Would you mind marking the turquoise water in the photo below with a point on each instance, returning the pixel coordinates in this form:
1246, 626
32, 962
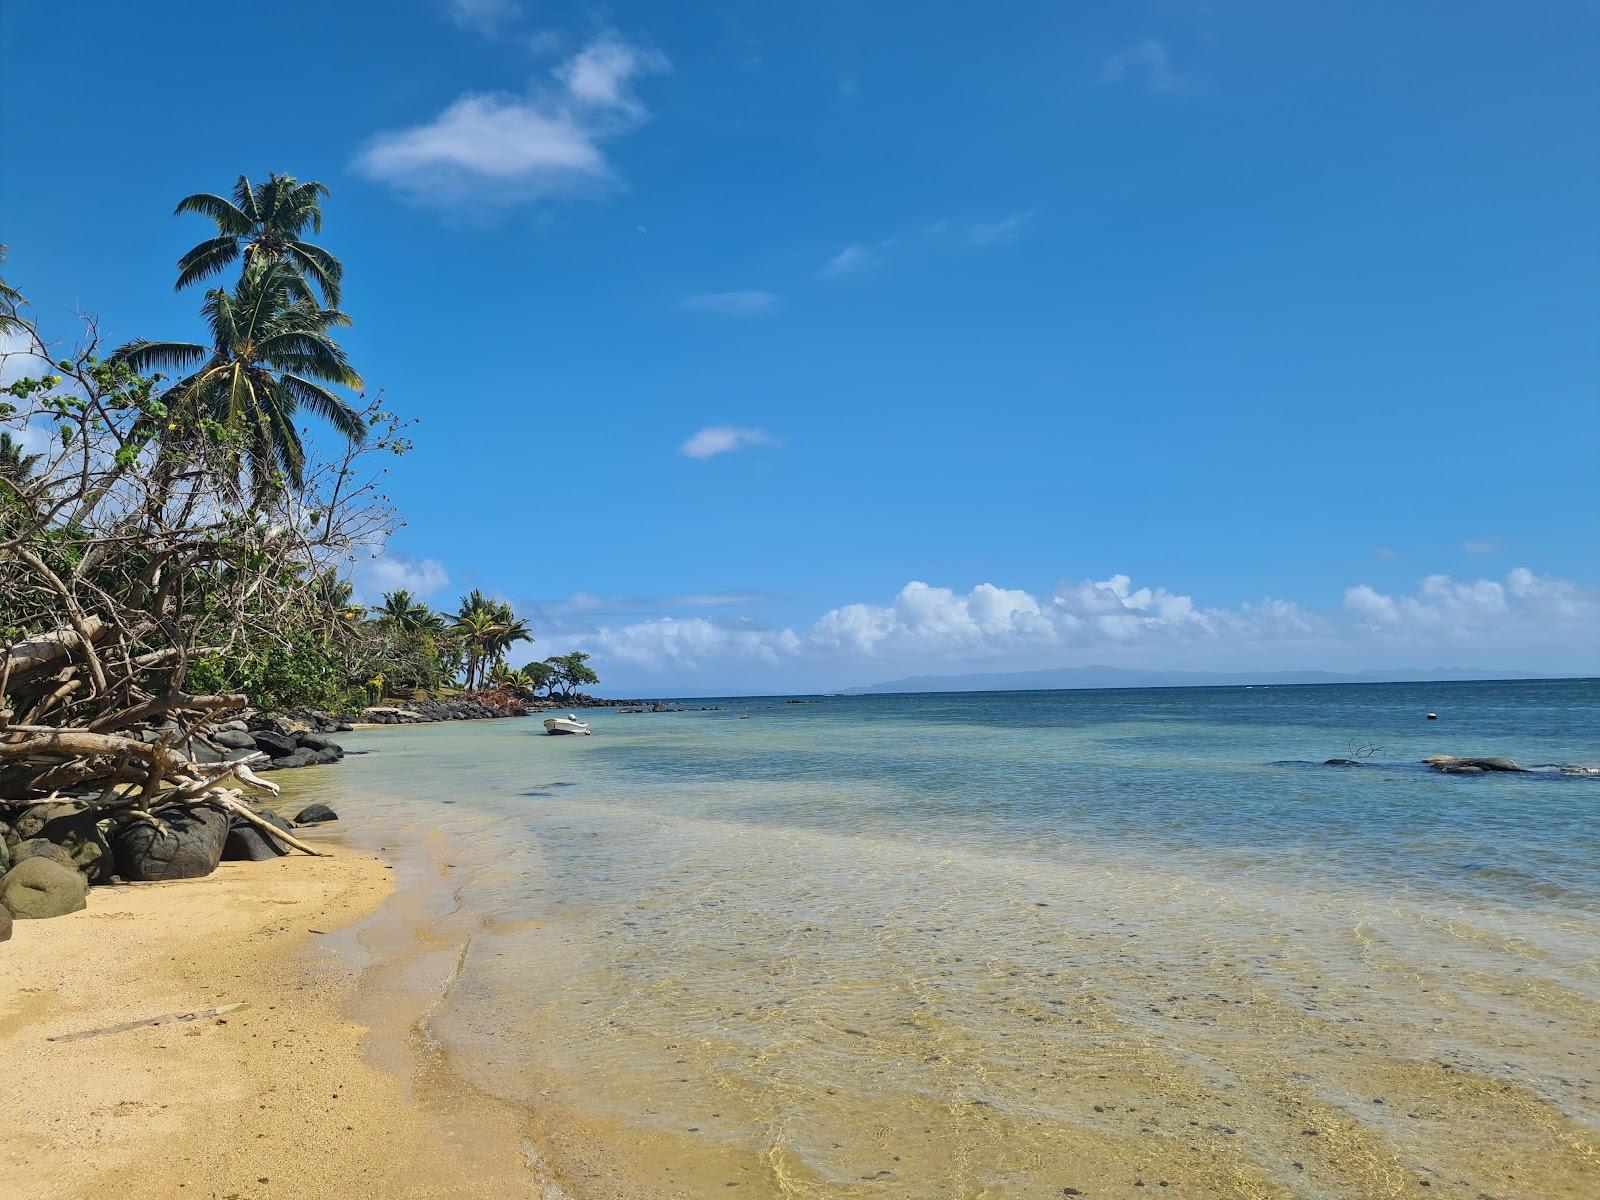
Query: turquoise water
1002, 944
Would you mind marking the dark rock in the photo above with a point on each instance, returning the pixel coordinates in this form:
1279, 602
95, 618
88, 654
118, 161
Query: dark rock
300, 758
1451, 765
36, 888
331, 755
1341, 762
5, 923
315, 814
230, 727
316, 742
75, 828
234, 739
275, 744
188, 844
343, 727
246, 843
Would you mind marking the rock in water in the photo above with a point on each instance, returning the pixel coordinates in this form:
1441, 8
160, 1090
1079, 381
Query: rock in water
37, 887
277, 745
246, 843
189, 846
315, 814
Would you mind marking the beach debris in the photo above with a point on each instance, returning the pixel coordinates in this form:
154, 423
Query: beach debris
203, 1014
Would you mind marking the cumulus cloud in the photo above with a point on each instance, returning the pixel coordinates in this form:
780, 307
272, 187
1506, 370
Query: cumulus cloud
732, 304
691, 644
721, 439
1147, 62
492, 148
1522, 610
386, 572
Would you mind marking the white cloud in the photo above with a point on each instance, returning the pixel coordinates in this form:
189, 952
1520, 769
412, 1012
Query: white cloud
385, 572
484, 16
998, 233
733, 304
672, 643
721, 439
1147, 62
487, 149
1524, 609
846, 261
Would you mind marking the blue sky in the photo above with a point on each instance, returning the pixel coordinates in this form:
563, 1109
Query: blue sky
799, 346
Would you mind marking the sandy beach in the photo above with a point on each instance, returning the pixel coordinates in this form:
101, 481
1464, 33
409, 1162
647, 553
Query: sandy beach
273, 1099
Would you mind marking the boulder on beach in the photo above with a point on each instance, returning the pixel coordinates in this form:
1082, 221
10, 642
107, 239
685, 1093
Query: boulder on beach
75, 828
41, 848
315, 814
5, 923
187, 844
37, 887
247, 843
235, 739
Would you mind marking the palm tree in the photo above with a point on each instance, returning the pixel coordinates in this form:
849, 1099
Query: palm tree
488, 629
262, 222
10, 301
270, 354
403, 611
15, 465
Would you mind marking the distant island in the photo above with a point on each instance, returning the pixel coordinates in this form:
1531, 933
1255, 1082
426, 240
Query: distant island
1066, 678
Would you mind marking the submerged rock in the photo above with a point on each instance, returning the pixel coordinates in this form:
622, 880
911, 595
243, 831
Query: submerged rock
37, 888
315, 814
187, 844
1451, 765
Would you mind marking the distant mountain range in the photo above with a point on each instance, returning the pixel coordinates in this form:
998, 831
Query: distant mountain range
1119, 677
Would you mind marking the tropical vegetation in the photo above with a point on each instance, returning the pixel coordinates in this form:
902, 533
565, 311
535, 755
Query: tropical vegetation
177, 520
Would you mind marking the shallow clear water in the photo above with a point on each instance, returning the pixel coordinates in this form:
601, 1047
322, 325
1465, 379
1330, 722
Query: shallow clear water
1009, 944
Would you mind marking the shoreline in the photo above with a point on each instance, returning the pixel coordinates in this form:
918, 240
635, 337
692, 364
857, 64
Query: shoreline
319, 1085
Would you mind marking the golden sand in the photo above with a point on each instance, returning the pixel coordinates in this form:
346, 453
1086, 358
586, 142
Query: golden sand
271, 1100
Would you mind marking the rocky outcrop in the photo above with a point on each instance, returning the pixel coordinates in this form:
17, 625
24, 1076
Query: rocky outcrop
186, 844
37, 887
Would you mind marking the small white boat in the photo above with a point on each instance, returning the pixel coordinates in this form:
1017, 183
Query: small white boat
566, 724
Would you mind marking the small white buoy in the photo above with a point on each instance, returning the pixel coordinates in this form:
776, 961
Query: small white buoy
1433, 716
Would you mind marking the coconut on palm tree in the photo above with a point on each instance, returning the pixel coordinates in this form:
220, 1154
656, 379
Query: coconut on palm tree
262, 222
270, 358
